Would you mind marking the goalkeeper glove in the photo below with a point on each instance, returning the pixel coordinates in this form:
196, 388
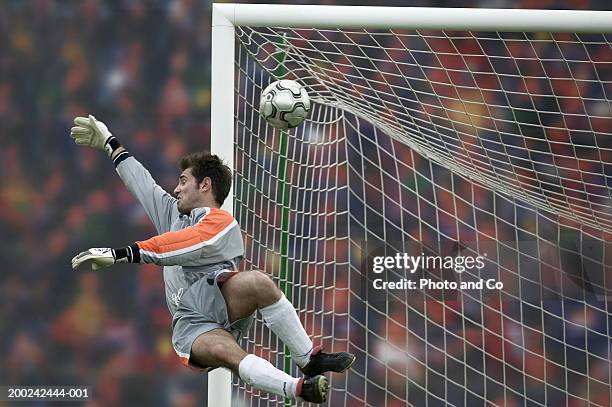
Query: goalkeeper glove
91, 132
100, 258
106, 257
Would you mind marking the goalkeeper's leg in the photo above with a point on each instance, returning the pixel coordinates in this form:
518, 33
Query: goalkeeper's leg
218, 348
248, 291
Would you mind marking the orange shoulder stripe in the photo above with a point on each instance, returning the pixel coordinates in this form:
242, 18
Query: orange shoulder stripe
181, 240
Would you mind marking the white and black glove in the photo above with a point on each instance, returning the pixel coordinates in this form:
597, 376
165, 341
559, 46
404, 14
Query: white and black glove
102, 257
93, 133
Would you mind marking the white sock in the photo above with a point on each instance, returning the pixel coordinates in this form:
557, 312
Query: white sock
282, 319
261, 374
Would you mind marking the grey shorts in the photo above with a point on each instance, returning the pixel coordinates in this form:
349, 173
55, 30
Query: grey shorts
202, 308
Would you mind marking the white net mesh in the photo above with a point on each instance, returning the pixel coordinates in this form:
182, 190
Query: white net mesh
479, 142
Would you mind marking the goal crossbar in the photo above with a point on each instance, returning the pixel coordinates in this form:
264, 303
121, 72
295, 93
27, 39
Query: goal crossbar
461, 19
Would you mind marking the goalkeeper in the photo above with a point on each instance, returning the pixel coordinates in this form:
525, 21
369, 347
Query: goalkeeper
200, 247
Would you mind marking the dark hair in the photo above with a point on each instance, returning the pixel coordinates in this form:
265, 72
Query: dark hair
203, 164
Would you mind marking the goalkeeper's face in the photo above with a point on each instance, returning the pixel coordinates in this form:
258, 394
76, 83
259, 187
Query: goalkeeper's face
190, 194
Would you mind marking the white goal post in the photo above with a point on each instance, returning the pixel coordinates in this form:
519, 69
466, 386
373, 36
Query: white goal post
589, 208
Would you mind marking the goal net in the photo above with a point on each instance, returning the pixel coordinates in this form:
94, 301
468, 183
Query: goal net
435, 142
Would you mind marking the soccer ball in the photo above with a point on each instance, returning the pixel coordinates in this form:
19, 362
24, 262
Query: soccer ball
284, 104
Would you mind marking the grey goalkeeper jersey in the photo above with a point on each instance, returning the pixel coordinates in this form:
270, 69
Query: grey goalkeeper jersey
189, 247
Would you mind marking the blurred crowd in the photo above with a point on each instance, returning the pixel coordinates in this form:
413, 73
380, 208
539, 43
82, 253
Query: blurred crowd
143, 68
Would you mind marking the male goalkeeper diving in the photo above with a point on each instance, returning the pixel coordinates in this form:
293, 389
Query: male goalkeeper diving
200, 246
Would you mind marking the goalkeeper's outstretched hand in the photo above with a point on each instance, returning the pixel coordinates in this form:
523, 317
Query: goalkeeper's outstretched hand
91, 132
99, 257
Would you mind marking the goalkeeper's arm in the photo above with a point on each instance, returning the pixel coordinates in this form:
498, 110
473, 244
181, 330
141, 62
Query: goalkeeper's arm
214, 238
159, 205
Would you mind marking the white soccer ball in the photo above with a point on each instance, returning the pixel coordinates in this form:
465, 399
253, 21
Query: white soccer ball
284, 104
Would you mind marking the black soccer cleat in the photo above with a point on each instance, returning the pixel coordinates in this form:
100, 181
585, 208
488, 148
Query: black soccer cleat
321, 362
312, 389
